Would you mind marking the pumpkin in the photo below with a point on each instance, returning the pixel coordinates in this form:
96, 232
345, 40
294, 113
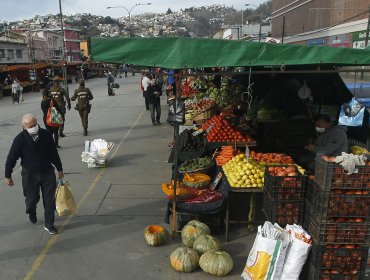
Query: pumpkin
196, 180
155, 235
218, 263
181, 190
184, 259
205, 243
191, 231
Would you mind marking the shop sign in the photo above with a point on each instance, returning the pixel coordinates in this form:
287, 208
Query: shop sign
315, 42
359, 39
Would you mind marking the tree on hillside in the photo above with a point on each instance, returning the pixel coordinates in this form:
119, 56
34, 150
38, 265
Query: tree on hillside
169, 11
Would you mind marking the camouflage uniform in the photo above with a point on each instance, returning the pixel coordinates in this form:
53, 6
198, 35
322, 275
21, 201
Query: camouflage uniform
83, 96
60, 96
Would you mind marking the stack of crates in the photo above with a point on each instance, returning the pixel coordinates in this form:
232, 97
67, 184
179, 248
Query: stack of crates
337, 209
283, 200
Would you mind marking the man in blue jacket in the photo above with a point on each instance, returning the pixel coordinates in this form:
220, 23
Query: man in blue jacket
36, 148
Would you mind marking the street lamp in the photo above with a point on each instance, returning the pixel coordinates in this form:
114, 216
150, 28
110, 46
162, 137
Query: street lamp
129, 12
259, 32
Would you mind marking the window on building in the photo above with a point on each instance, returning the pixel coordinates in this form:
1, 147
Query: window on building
2, 53
50, 41
55, 41
18, 53
10, 54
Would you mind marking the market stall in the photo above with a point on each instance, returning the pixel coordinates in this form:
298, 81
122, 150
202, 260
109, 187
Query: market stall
254, 112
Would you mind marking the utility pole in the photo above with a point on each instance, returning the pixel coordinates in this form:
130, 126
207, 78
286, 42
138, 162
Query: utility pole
283, 31
64, 67
367, 29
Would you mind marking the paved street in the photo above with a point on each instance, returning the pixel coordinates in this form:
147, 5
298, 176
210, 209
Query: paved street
104, 240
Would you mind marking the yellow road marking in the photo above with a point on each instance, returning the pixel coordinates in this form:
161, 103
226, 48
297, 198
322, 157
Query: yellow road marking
37, 263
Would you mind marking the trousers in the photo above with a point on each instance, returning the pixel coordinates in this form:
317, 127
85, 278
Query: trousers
33, 182
155, 111
84, 115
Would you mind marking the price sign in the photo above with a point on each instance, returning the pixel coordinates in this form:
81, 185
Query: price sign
197, 132
210, 127
247, 151
216, 181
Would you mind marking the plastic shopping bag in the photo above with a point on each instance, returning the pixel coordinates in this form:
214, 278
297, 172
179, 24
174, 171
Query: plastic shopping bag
266, 259
64, 201
352, 113
297, 253
53, 117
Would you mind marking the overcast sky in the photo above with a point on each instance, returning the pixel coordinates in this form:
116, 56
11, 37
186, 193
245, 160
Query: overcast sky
11, 10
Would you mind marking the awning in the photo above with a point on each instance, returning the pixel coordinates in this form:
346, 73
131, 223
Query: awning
182, 53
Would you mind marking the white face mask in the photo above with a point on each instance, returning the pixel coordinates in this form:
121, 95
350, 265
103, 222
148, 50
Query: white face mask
320, 129
33, 130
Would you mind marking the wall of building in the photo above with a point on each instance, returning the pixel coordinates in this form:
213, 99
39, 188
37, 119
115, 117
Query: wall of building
299, 18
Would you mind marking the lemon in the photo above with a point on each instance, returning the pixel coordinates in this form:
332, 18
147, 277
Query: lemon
248, 182
232, 185
256, 175
254, 185
260, 185
248, 172
262, 174
259, 181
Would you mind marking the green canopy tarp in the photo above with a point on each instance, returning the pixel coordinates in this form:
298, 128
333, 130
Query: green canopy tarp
181, 53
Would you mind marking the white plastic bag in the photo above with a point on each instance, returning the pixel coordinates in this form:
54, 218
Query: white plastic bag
297, 253
266, 258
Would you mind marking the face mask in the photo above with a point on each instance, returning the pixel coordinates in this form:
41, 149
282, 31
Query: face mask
320, 129
33, 130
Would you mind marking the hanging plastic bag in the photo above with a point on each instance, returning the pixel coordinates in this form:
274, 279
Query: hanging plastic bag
176, 115
64, 201
267, 256
53, 117
352, 113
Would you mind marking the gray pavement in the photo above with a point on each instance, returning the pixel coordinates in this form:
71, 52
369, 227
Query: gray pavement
104, 240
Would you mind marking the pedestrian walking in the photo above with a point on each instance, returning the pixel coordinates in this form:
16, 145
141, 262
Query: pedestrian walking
16, 91
46, 102
36, 149
61, 98
83, 96
110, 82
145, 82
154, 93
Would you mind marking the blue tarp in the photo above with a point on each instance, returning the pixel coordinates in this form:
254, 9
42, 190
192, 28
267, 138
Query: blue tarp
359, 90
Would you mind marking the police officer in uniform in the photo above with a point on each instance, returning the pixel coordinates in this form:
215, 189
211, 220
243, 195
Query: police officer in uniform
83, 96
60, 96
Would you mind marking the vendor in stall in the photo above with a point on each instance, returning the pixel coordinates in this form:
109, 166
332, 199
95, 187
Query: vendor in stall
331, 141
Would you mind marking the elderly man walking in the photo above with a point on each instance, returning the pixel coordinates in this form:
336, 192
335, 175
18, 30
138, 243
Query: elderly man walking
36, 148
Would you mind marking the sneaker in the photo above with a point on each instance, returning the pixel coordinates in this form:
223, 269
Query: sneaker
158, 122
61, 134
33, 217
85, 132
51, 229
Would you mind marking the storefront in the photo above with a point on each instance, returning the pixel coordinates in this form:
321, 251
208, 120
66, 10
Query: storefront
245, 121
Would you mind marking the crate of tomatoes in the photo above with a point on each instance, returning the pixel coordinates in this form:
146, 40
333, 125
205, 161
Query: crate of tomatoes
330, 175
347, 262
284, 182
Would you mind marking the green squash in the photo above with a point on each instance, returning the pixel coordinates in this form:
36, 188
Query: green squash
218, 263
205, 243
184, 259
192, 230
155, 235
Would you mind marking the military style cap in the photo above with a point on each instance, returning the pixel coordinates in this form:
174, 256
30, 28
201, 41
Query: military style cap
81, 81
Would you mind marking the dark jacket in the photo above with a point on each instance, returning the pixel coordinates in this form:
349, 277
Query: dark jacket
37, 156
332, 142
83, 96
151, 94
60, 96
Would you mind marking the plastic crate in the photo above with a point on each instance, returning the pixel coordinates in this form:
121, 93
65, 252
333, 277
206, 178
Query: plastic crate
285, 187
338, 203
342, 257
337, 231
326, 263
330, 175
283, 212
